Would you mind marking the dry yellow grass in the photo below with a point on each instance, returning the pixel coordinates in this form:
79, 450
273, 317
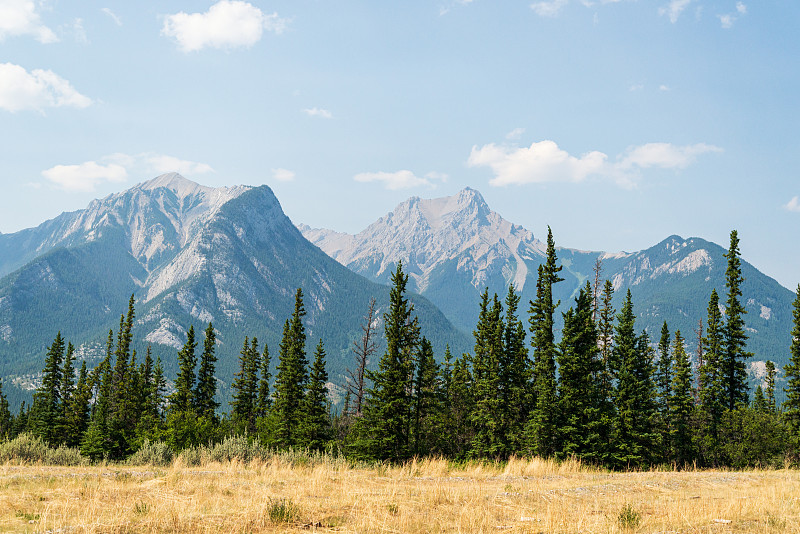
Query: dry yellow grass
422, 496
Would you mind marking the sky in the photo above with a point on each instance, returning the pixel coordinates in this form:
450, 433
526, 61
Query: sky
616, 122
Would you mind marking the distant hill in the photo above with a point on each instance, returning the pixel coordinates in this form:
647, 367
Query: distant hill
456, 246
190, 254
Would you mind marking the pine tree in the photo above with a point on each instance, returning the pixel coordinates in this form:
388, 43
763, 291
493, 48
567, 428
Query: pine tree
315, 430
47, 410
711, 394
426, 402
515, 375
96, 442
206, 390
663, 381
291, 380
485, 417
245, 387
542, 428
734, 336
264, 402
182, 399
458, 407
77, 413
681, 405
363, 350
605, 343
791, 406
383, 431
770, 384
579, 388
6, 419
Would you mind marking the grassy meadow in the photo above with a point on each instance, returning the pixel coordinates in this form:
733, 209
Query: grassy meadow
297, 494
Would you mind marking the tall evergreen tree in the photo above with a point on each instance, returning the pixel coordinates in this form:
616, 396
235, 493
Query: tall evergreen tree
183, 398
486, 414
383, 431
245, 386
427, 405
542, 428
515, 376
770, 386
711, 392
681, 404
47, 410
264, 401
6, 419
206, 390
579, 388
291, 380
791, 406
315, 431
663, 381
734, 336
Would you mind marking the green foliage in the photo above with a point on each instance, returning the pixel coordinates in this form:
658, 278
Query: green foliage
157, 454
283, 511
206, 391
629, 517
734, 336
791, 406
30, 449
315, 429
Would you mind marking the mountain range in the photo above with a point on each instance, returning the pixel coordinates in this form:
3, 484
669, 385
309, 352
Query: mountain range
190, 255
455, 247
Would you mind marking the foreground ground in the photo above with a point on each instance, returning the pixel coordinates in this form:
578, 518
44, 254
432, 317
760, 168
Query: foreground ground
427, 496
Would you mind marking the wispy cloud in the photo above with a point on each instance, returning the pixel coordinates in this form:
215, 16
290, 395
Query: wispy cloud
283, 175
727, 20
515, 134
548, 8
21, 17
226, 24
401, 179
446, 8
674, 9
793, 205
85, 176
117, 167
545, 162
112, 15
36, 90
318, 112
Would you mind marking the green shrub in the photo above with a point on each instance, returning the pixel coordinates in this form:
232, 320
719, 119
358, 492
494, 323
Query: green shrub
152, 453
629, 518
283, 511
27, 448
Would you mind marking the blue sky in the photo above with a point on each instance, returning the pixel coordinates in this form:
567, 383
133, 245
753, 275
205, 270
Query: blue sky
617, 123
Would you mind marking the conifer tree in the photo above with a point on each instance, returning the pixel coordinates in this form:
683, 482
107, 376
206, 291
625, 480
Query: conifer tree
182, 399
426, 402
711, 394
206, 390
315, 431
791, 406
485, 417
579, 393
6, 419
264, 401
681, 404
77, 410
734, 336
458, 407
770, 384
291, 380
663, 381
383, 430
47, 410
245, 386
515, 376
542, 428
363, 350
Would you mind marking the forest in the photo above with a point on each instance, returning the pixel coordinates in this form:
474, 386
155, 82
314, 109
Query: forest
603, 394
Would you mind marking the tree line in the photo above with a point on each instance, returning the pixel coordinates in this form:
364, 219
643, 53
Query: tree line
602, 393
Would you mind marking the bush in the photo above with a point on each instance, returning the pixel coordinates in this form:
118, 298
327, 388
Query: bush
27, 448
629, 518
152, 453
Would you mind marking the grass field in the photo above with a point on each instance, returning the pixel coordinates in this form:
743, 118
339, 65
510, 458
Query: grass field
424, 496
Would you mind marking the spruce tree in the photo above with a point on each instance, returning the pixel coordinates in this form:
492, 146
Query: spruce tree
515, 375
734, 336
315, 431
77, 413
486, 417
711, 394
264, 401
791, 406
579, 388
458, 407
182, 399
47, 411
542, 431
6, 419
206, 390
245, 387
291, 380
663, 381
383, 431
681, 405
426, 402
770, 385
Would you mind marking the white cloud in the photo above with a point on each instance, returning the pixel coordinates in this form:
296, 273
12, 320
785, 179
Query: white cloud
741, 8
548, 8
728, 19
793, 205
544, 162
445, 9
86, 176
282, 175
401, 179
636, 87
116, 168
663, 87
674, 9
19, 17
515, 134
161, 164
226, 24
79, 31
36, 90
113, 16
318, 112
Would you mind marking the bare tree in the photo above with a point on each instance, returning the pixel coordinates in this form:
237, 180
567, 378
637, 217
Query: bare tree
598, 268
363, 349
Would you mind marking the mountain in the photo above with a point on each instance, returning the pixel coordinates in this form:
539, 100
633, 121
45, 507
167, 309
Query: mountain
191, 255
456, 246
